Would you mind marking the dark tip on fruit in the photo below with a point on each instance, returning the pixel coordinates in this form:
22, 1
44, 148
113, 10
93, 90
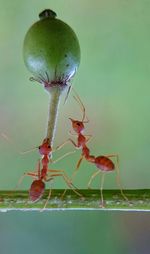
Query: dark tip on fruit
47, 14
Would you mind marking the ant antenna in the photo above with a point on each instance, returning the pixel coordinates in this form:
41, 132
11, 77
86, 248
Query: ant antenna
78, 99
11, 142
28, 151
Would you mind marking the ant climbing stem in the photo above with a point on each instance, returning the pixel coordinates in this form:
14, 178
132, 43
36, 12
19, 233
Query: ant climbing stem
82, 139
44, 174
103, 163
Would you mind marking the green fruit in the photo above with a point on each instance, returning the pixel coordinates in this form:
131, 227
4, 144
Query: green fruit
51, 50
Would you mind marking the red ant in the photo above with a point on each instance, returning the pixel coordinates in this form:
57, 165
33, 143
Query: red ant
103, 163
44, 174
38, 186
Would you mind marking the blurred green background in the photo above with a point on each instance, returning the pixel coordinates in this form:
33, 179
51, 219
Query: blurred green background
113, 82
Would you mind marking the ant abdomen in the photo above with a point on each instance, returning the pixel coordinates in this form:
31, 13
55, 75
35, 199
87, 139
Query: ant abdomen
36, 190
104, 163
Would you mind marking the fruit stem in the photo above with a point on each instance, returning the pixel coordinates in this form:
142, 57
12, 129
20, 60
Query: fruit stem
55, 93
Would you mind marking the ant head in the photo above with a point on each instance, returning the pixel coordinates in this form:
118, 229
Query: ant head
78, 126
36, 190
45, 148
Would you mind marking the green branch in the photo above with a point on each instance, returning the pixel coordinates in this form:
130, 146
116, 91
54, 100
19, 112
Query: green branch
18, 200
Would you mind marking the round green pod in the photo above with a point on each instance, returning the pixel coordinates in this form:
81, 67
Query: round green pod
51, 50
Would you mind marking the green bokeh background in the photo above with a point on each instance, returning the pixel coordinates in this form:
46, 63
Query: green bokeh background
113, 82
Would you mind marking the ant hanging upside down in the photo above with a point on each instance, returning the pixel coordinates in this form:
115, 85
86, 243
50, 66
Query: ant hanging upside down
102, 162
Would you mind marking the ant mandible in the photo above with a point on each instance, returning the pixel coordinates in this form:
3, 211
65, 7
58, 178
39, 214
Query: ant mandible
102, 162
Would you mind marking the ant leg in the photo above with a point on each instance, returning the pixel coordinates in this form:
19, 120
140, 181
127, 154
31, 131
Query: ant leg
36, 173
70, 185
67, 180
62, 196
49, 195
101, 190
73, 142
64, 143
60, 171
61, 145
48, 198
72, 134
89, 138
63, 156
118, 178
57, 171
113, 155
79, 162
101, 185
53, 170
33, 175
92, 177
77, 167
65, 177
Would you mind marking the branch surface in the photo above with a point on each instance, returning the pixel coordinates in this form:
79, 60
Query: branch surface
139, 200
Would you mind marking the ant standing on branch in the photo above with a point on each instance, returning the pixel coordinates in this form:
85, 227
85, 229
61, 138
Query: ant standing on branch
102, 162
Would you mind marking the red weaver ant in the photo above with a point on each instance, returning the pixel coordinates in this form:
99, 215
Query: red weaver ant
42, 175
103, 163
38, 186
